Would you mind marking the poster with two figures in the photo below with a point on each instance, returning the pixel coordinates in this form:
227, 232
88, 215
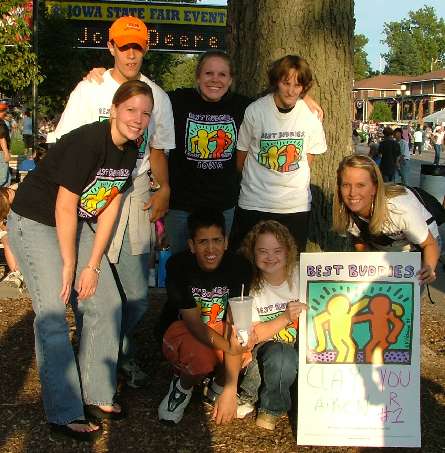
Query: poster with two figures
359, 350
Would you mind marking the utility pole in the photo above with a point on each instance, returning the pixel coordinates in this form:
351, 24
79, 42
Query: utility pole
35, 45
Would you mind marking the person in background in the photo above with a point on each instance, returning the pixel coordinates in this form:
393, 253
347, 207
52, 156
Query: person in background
27, 132
403, 165
407, 135
384, 217
419, 138
355, 140
374, 151
5, 143
59, 226
278, 142
438, 137
390, 153
129, 251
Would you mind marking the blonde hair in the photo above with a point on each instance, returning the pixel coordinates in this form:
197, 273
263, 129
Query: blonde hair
342, 217
283, 236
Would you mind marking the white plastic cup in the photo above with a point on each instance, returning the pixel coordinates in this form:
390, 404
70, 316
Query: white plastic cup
242, 316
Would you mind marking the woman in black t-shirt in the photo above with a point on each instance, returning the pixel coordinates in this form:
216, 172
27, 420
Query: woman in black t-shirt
202, 167
59, 227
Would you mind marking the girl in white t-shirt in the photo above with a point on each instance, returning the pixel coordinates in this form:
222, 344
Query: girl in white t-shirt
278, 141
271, 249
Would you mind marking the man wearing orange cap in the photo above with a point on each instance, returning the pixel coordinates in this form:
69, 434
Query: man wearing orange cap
4, 145
130, 246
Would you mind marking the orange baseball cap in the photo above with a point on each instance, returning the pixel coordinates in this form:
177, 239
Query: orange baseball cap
129, 30
3, 106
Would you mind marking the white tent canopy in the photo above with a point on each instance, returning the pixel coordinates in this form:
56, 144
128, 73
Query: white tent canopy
436, 117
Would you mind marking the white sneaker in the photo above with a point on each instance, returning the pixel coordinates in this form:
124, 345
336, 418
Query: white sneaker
14, 278
244, 409
173, 405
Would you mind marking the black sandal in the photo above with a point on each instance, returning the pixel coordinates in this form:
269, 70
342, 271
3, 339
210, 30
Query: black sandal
64, 431
96, 413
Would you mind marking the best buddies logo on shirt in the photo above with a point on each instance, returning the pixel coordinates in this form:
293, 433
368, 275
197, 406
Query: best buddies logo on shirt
210, 139
101, 191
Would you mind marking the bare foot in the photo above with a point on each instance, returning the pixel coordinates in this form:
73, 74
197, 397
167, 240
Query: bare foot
83, 428
116, 408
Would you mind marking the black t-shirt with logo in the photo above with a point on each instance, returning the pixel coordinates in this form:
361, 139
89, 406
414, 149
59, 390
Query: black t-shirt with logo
188, 286
86, 162
202, 168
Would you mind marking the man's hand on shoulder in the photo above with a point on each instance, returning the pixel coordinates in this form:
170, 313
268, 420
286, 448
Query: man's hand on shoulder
96, 75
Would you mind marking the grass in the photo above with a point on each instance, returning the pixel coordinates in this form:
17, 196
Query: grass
17, 146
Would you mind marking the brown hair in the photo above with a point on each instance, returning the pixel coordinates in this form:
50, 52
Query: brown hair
342, 218
131, 88
214, 54
283, 236
5, 205
281, 68
388, 131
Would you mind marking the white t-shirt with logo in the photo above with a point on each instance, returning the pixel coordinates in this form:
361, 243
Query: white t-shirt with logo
91, 101
271, 301
276, 173
406, 224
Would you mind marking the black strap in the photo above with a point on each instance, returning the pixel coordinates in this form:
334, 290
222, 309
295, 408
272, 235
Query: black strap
429, 294
366, 236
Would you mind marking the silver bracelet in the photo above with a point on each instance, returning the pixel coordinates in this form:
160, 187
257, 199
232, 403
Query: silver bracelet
95, 269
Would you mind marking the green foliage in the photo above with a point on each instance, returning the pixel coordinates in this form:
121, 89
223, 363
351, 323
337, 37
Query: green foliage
17, 146
182, 75
156, 64
416, 44
18, 63
362, 69
381, 112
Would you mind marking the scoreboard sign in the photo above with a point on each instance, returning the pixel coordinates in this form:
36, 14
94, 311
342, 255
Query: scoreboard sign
171, 27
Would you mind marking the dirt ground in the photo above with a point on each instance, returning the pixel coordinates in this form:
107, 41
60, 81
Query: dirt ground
23, 429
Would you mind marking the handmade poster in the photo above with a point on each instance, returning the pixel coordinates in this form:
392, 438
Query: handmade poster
359, 350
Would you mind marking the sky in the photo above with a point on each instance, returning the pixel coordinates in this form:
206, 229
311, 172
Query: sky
370, 16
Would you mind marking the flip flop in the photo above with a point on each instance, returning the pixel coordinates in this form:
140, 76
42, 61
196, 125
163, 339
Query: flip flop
64, 431
96, 413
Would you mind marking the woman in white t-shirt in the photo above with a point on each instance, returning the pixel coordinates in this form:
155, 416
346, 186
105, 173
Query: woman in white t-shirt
275, 287
385, 217
277, 143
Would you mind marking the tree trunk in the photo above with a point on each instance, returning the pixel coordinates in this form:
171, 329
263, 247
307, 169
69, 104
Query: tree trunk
321, 31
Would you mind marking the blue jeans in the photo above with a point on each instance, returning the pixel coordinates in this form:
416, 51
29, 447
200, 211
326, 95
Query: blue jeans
269, 377
177, 231
65, 387
404, 170
437, 151
5, 177
132, 274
